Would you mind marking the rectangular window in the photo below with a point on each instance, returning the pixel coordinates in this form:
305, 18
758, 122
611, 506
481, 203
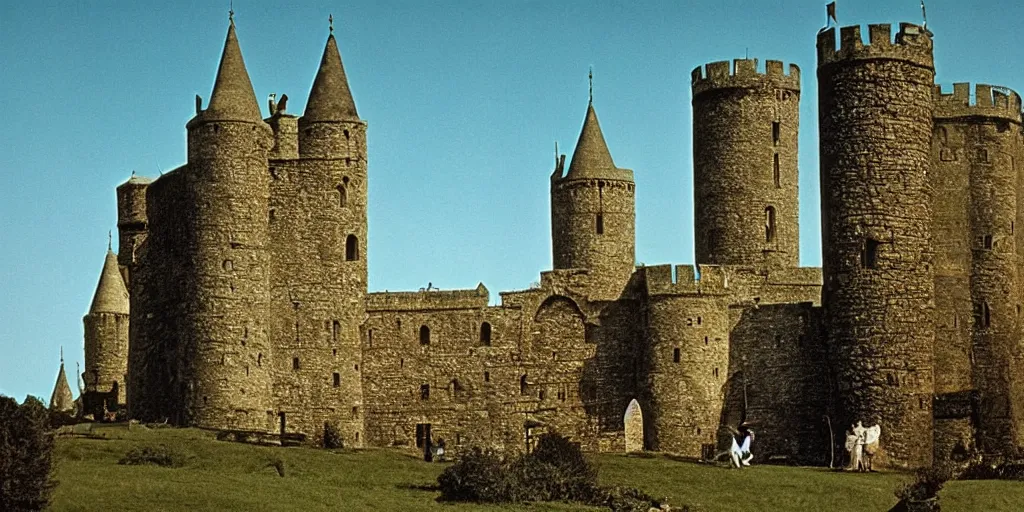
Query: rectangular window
675, 355
337, 379
425, 392
295, 363
776, 172
869, 255
600, 224
987, 241
776, 132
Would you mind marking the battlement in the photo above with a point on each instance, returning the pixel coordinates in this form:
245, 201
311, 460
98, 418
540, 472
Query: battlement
431, 299
743, 74
988, 101
913, 44
683, 280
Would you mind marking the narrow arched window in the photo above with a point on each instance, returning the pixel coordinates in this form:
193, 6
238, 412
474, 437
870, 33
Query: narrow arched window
769, 224
342, 196
600, 224
485, 334
351, 248
776, 172
424, 335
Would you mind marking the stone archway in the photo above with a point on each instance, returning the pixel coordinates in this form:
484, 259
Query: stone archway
634, 423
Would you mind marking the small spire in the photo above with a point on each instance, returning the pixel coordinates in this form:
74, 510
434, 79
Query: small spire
330, 22
231, 12
111, 295
62, 355
110, 238
330, 98
233, 98
590, 77
591, 157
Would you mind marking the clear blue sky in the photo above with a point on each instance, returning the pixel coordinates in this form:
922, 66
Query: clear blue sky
464, 102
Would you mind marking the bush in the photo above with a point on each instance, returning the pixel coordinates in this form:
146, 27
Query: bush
332, 437
477, 476
556, 470
926, 485
26, 455
995, 469
155, 455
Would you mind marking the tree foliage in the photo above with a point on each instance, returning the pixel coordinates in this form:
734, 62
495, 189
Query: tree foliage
26, 455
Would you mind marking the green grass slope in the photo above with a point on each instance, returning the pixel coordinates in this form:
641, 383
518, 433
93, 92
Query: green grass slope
232, 476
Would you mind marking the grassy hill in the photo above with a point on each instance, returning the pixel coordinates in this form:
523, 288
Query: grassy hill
221, 475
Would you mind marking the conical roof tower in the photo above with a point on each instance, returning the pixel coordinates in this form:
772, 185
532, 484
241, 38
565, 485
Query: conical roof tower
62, 399
111, 295
233, 98
591, 159
330, 99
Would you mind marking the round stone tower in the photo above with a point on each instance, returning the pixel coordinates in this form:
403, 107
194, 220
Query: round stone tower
224, 340
106, 342
131, 222
687, 327
745, 127
593, 214
975, 147
875, 111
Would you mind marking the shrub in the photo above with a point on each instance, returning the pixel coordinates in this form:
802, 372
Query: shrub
26, 455
477, 476
926, 485
557, 470
995, 469
155, 455
332, 437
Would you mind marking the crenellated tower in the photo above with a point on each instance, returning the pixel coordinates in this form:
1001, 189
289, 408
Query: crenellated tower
223, 339
975, 149
106, 342
593, 214
745, 128
318, 230
875, 112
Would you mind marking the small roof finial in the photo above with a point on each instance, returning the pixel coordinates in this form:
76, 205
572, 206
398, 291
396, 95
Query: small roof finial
590, 77
330, 22
110, 240
62, 355
231, 12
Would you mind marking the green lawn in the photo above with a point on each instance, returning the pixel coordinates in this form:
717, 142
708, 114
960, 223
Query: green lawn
233, 476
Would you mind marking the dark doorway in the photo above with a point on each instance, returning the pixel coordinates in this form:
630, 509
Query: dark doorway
284, 423
422, 434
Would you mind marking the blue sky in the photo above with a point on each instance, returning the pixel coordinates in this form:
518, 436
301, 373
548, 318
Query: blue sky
464, 101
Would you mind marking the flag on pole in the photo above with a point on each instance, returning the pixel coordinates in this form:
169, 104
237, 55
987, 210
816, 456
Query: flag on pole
831, 11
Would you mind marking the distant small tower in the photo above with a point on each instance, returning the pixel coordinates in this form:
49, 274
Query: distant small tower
745, 127
61, 399
593, 216
875, 112
131, 222
976, 150
106, 342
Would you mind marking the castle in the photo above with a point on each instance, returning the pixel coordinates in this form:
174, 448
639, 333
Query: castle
238, 299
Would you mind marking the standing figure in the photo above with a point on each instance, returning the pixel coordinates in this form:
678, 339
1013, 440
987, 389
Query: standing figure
871, 445
740, 451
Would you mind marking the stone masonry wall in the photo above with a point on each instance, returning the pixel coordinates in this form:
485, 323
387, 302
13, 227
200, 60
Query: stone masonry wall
875, 110
317, 216
745, 128
131, 223
106, 354
980, 142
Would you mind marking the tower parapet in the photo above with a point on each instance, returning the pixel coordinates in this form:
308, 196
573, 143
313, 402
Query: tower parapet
746, 174
989, 101
875, 112
132, 223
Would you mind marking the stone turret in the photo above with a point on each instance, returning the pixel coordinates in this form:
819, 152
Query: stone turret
319, 278
745, 127
975, 147
875, 111
132, 223
106, 342
224, 334
593, 215
62, 400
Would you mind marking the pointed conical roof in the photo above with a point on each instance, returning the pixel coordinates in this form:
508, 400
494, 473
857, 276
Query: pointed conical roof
62, 399
233, 98
111, 295
330, 99
591, 159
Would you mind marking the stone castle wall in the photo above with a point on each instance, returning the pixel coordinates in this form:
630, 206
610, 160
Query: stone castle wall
106, 354
875, 110
745, 128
